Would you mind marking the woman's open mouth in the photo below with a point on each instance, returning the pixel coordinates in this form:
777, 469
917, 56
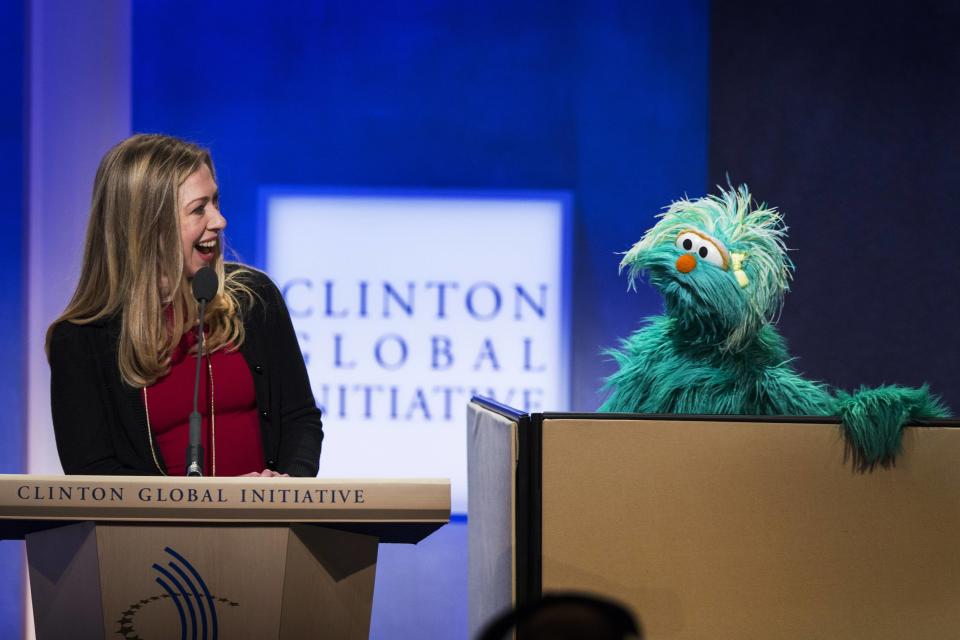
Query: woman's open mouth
207, 248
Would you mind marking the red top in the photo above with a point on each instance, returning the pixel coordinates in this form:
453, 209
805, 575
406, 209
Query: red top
238, 446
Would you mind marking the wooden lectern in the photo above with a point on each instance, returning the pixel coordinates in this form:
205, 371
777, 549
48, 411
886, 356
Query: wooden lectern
257, 558
721, 527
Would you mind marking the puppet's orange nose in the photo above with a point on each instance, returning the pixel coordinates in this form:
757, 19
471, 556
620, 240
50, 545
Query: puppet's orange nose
686, 263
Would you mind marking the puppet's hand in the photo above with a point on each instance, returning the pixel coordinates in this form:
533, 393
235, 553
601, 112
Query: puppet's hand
873, 419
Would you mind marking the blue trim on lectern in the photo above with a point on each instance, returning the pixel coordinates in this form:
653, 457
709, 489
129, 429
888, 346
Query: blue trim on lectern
176, 601
196, 598
186, 597
498, 407
203, 585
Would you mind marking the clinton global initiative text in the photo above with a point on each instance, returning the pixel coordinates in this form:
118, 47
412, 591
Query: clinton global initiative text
411, 403
436, 299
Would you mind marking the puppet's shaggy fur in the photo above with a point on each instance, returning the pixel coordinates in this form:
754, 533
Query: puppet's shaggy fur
716, 351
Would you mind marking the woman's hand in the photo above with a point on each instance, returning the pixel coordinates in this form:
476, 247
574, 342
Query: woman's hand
266, 473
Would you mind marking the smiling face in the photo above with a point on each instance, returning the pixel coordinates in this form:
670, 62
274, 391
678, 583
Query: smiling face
201, 223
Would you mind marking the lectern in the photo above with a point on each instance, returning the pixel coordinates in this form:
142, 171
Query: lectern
133, 557
721, 527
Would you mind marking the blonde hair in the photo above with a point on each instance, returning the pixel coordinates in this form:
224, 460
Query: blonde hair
133, 246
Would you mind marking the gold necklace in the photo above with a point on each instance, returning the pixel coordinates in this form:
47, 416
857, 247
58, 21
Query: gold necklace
213, 425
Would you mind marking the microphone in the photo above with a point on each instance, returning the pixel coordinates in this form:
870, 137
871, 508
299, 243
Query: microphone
204, 286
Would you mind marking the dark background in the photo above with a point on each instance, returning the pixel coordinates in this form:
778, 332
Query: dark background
846, 116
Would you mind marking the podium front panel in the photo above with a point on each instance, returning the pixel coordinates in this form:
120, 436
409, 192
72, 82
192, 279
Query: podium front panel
753, 530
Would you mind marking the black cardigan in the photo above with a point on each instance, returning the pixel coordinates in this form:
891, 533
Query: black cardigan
100, 422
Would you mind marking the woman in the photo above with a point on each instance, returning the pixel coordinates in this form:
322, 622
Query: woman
122, 355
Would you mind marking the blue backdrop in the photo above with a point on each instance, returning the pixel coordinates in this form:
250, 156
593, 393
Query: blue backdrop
12, 311
606, 100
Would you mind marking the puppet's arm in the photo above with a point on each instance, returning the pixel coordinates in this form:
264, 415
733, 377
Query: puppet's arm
784, 392
874, 418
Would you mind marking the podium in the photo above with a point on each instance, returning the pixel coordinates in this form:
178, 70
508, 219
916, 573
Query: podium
716, 527
159, 557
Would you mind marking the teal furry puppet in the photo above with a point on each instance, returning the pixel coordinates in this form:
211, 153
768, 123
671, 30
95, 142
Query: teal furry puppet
721, 264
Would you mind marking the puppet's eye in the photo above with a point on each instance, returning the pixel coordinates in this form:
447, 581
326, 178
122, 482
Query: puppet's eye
710, 253
704, 247
688, 241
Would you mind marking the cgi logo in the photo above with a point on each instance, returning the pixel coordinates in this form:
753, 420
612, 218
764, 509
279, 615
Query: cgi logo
188, 591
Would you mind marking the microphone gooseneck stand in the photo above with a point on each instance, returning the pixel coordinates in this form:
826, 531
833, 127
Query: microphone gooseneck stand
204, 286
195, 448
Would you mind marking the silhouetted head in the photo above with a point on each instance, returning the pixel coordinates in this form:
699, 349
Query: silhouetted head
566, 617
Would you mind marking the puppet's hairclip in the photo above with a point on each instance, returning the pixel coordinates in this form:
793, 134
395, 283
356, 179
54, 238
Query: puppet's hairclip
738, 259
